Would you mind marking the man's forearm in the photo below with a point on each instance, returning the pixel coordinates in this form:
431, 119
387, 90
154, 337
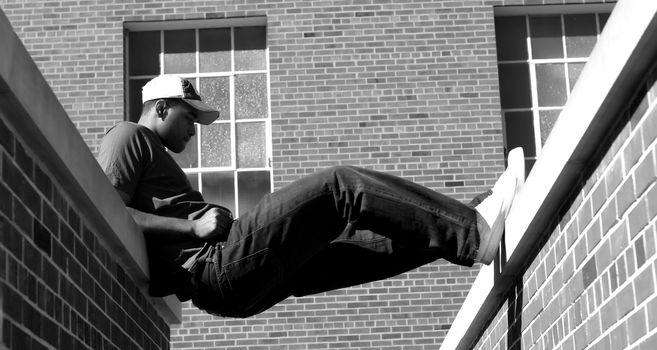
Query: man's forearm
163, 228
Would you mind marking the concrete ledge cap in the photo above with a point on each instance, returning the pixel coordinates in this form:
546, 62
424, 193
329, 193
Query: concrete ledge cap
38, 116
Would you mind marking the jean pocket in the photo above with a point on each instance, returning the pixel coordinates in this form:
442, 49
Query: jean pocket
253, 277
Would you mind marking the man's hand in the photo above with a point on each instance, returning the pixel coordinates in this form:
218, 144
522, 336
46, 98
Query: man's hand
215, 223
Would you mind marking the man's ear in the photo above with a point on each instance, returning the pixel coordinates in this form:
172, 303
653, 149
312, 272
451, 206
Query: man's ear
161, 108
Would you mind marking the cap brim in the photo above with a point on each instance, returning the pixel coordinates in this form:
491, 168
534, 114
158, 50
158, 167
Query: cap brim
206, 114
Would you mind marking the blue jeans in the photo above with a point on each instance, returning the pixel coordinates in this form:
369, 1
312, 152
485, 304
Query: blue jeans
339, 227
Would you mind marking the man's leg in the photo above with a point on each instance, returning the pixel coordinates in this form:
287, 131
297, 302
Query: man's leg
271, 245
349, 262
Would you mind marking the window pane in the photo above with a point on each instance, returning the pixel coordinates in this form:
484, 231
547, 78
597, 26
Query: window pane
574, 70
134, 100
214, 50
179, 51
250, 96
251, 145
547, 120
581, 34
216, 93
252, 186
519, 127
551, 84
188, 158
144, 53
219, 188
250, 43
546, 37
511, 34
515, 90
215, 145
193, 180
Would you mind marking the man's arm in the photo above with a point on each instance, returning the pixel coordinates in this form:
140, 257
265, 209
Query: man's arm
214, 223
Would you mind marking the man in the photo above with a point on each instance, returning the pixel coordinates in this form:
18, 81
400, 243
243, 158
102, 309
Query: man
336, 228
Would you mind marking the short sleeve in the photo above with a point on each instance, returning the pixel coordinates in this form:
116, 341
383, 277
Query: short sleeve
123, 154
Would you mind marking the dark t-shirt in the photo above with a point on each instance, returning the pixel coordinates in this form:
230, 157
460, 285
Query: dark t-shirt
137, 164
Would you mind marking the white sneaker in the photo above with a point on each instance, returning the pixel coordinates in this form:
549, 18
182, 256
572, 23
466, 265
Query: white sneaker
492, 211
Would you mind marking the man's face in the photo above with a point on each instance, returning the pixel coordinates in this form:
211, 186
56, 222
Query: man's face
178, 126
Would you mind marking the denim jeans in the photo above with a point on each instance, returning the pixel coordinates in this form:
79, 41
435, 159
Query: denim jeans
336, 228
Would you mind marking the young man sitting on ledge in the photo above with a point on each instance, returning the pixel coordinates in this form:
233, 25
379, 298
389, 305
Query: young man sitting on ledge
339, 227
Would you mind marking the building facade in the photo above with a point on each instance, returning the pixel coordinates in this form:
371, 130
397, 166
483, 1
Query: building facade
433, 91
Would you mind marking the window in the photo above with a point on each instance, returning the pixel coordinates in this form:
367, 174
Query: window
229, 160
540, 57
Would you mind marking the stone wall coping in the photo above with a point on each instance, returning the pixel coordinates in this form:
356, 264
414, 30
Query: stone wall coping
40, 119
624, 52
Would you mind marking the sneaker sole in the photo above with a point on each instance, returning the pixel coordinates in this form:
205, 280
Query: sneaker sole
516, 166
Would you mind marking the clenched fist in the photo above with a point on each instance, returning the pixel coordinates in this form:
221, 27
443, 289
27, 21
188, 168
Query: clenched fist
213, 225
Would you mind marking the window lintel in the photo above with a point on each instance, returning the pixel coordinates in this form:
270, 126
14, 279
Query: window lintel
196, 23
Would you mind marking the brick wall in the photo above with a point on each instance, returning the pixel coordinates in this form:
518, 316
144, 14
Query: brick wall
592, 285
408, 87
61, 288
404, 86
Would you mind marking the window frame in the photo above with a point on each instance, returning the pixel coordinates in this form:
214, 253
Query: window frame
528, 12
195, 77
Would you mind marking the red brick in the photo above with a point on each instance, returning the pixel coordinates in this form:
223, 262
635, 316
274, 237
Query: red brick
610, 315
630, 259
632, 152
638, 218
640, 251
652, 313
598, 197
6, 201
619, 337
650, 244
636, 325
43, 182
614, 176
24, 161
580, 338
603, 344
645, 174
625, 300
609, 217
22, 217
649, 127
580, 251
625, 196
6, 136
621, 270
593, 235
650, 343
651, 198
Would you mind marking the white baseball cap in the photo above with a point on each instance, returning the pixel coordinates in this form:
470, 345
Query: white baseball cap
173, 86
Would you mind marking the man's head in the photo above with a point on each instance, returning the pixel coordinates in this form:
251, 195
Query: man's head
171, 106
175, 87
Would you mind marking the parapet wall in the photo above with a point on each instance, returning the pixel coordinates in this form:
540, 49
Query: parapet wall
73, 267
579, 260
592, 285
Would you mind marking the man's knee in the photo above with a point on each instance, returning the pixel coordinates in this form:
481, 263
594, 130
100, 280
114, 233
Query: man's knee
342, 169
338, 172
